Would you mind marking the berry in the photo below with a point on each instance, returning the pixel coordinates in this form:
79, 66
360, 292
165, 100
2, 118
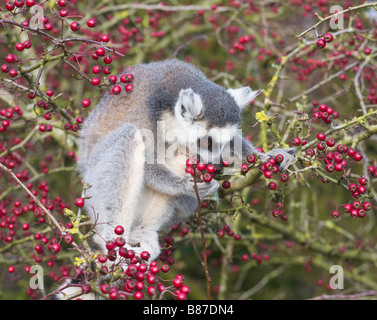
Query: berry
129, 87
145, 255
85, 103
68, 238
226, 184
116, 90
75, 26
96, 81
321, 136
126, 78
244, 168
250, 158
335, 214
20, 46
105, 38
79, 202
107, 60
296, 141
91, 23
9, 5
207, 177
210, 168
86, 288
321, 43
272, 186
328, 37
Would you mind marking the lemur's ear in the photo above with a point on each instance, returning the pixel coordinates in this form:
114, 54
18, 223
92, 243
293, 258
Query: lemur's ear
189, 104
243, 96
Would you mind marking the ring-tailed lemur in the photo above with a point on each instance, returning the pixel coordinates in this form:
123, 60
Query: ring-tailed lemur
172, 104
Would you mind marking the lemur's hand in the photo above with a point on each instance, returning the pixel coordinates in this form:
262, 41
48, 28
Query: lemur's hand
206, 189
288, 154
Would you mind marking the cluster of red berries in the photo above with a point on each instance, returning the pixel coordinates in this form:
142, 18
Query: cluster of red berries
9, 114
324, 113
227, 230
279, 212
205, 171
139, 278
327, 38
270, 169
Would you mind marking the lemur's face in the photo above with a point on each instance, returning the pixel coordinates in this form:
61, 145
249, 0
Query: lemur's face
207, 124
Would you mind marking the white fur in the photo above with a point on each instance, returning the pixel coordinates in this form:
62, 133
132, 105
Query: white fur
243, 96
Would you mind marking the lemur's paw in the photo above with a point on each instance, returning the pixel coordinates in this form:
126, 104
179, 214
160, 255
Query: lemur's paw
289, 155
206, 189
146, 242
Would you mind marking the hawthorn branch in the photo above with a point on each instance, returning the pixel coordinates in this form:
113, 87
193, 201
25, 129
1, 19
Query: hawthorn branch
322, 20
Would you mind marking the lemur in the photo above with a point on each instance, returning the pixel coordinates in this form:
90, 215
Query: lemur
172, 104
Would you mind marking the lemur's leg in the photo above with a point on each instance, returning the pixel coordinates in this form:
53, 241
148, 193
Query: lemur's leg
159, 212
115, 172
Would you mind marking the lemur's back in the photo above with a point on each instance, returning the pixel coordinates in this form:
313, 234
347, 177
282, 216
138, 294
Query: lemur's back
112, 111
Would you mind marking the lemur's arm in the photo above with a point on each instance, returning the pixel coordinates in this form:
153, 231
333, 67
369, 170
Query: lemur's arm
288, 154
161, 179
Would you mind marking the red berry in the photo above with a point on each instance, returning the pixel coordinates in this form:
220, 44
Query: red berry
96, 81
119, 230
116, 90
68, 238
79, 202
296, 141
138, 295
11, 269
55, 247
328, 37
100, 52
75, 26
145, 255
335, 214
120, 242
10, 58
357, 156
207, 177
321, 136
107, 60
367, 206
9, 5
321, 43
63, 12
250, 158
226, 184
91, 23
244, 168
126, 78
13, 73
105, 38
85, 103
86, 288
330, 142
110, 245
272, 186
129, 87
178, 282
20, 46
